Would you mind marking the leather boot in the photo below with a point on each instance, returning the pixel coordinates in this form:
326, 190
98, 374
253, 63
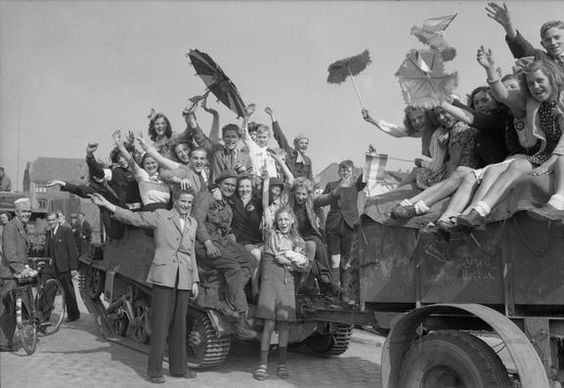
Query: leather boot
242, 331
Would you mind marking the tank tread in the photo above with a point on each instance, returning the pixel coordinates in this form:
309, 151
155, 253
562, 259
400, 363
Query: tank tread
216, 348
94, 306
328, 345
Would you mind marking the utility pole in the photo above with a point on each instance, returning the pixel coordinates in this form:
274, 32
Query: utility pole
19, 142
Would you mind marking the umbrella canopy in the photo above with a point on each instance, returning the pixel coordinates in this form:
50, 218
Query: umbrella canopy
338, 71
423, 80
216, 81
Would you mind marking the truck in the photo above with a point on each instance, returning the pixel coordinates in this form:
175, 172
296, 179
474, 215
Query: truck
451, 305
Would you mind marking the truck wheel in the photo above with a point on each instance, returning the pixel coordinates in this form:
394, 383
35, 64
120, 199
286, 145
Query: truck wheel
203, 347
326, 344
450, 358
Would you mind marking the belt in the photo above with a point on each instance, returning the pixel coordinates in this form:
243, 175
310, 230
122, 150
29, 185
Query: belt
133, 206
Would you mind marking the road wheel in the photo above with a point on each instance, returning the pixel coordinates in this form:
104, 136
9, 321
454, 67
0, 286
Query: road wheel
204, 348
120, 322
332, 344
140, 333
94, 282
26, 332
450, 358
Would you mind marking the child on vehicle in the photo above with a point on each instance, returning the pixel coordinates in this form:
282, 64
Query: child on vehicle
284, 251
342, 216
539, 105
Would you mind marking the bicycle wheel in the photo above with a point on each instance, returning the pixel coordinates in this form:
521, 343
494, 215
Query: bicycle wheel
51, 306
26, 333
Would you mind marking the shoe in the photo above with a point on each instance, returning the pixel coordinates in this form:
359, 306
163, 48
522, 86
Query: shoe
244, 333
472, 220
224, 308
546, 213
447, 226
332, 288
401, 211
189, 374
157, 380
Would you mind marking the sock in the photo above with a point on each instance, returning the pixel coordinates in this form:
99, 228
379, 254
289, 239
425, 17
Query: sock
336, 275
556, 201
482, 208
264, 357
282, 354
421, 208
406, 202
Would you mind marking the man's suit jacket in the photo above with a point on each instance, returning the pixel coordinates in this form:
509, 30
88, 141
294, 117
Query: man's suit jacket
174, 247
85, 230
15, 245
62, 249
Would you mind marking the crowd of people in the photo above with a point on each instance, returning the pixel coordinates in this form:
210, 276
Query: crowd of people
63, 243
229, 202
509, 130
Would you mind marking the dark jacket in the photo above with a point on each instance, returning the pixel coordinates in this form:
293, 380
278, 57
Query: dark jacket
61, 247
520, 48
297, 168
246, 220
122, 182
344, 204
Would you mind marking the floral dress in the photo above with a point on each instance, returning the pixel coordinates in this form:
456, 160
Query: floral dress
550, 127
462, 136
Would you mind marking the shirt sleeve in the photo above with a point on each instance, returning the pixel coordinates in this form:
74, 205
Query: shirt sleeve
139, 219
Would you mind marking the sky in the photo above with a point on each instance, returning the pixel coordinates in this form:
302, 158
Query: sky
72, 72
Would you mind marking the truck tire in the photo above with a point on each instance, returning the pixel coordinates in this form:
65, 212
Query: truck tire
327, 345
450, 358
203, 347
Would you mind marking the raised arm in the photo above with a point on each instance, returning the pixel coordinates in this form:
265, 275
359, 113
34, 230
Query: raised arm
118, 140
199, 135
518, 45
388, 128
95, 168
214, 131
282, 164
164, 162
511, 98
277, 131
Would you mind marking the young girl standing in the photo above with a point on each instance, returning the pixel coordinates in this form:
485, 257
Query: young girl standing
283, 253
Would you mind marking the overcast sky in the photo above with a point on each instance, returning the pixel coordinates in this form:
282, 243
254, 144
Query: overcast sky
71, 72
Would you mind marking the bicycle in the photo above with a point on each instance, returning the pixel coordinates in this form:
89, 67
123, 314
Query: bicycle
43, 313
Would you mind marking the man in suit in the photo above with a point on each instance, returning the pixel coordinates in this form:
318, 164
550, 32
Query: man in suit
61, 247
15, 244
174, 276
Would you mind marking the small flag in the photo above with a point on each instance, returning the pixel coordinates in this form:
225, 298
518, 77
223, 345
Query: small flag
373, 173
439, 23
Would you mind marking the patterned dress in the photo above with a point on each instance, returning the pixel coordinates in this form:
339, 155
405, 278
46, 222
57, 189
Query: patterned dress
549, 126
462, 136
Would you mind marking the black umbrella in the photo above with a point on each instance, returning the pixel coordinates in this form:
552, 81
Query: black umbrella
216, 81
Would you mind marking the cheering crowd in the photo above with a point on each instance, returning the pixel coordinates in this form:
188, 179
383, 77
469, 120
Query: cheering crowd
229, 202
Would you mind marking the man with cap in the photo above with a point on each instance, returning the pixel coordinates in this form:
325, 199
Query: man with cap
216, 248
15, 245
296, 159
5, 182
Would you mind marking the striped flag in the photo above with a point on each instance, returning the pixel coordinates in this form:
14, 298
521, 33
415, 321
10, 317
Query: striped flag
373, 174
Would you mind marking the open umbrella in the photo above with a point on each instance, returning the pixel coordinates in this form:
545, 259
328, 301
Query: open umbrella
340, 70
216, 81
423, 80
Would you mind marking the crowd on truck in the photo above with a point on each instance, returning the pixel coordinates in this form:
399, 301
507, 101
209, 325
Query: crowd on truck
229, 201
